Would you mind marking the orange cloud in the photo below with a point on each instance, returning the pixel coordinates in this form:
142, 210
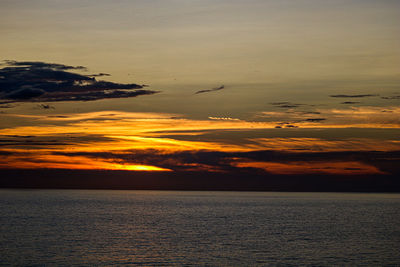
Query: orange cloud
124, 132
65, 162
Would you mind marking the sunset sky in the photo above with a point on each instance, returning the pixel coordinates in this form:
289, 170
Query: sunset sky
277, 87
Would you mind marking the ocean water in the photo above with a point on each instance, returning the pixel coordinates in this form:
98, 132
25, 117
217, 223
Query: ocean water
164, 228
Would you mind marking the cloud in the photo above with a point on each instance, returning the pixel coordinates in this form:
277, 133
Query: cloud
210, 90
315, 120
27, 81
114, 130
360, 117
305, 167
6, 106
99, 74
39, 64
311, 112
353, 96
136, 141
224, 118
290, 105
291, 118
45, 106
391, 97
314, 145
350, 102
270, 161
286, 105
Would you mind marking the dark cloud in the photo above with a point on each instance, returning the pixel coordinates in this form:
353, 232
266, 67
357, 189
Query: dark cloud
206, 170
289, 106
27, 81
353, 96
99, 74
222, 161
391, 97
315, 120
286, 105
210, 90
350, 102
291, 124
24, 93
7, 153
6, 106
39, 64
43, 142
59, 116
33, 144
311, 112
18, 136
45, 106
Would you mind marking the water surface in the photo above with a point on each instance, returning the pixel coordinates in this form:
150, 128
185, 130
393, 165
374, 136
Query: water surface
104, 227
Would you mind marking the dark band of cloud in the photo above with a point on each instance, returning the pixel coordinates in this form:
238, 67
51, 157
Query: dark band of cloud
6, 106
350, 102
184, 161
27, 81
290, 105
39, 64
353, 96
210, 90
99, 74
315, 119
391, 97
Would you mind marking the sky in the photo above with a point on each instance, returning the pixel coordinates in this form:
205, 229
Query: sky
271, 87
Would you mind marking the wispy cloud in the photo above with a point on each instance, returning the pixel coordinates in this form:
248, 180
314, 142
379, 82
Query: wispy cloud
210, 90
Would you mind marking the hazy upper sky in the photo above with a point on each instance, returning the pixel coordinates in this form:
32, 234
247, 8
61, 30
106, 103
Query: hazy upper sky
204, 41
304, 65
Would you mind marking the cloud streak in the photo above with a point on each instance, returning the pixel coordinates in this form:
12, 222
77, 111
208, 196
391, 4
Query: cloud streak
360, 117
353, 96
210, 90
286, 105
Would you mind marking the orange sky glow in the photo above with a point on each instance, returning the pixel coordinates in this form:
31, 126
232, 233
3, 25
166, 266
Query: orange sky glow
123, 132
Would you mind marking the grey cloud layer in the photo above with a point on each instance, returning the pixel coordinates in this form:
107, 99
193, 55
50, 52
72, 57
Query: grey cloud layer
27, 81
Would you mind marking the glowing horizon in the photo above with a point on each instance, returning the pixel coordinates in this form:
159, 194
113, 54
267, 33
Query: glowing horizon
275, 87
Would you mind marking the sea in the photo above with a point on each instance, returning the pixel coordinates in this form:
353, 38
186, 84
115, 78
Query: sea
195, 228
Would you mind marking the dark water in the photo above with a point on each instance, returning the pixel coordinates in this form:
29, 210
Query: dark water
150, 228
